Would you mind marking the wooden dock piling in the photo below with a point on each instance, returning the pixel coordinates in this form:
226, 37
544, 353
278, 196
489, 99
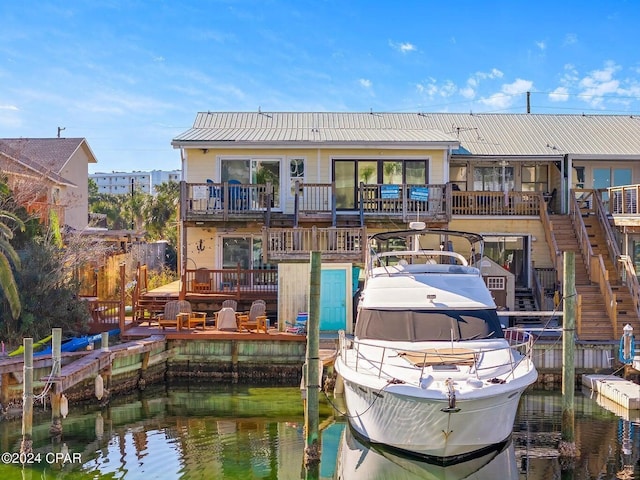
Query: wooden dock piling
312, 365
26, 447
55, 396
567, 445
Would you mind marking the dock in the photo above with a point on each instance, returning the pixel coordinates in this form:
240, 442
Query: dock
623, 392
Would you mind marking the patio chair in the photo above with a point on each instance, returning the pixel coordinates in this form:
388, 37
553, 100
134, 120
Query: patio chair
178, 313
256, 319
226, 319
300, 326
231, 303
202, 281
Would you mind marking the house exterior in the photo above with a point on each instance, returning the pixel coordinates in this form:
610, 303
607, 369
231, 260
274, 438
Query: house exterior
263, 188
49, 174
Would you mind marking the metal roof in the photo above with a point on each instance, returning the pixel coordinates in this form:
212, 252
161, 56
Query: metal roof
477, 134
310, 128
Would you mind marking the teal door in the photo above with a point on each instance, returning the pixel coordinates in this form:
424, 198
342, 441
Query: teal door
333, 301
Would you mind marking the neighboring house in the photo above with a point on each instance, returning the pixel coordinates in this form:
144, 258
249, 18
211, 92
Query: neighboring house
124, 183
262, 188
49, 174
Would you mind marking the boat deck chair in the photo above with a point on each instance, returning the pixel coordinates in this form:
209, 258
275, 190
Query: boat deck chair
178, 313
256, 319
226, 319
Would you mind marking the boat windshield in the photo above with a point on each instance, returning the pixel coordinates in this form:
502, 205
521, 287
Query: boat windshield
427, 325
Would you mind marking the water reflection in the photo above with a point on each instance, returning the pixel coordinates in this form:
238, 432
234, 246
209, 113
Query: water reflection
359, 460
224, 432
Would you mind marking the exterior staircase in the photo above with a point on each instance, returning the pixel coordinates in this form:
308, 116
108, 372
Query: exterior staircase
595, 323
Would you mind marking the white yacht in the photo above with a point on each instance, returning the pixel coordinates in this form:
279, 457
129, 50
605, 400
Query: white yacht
430, 370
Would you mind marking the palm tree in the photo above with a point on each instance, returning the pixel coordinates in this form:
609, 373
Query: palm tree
8, 256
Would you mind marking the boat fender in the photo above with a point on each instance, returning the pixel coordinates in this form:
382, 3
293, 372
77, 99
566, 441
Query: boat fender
474, 382
425, 382
99, 387
64, 406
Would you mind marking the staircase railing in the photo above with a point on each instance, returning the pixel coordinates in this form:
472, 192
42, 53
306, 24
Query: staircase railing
556, 254
625, 270
629, 278
595, 264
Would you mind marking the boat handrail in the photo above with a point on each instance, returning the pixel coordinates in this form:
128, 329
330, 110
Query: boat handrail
517, 340
421, 253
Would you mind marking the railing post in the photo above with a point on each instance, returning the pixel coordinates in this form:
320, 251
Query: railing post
334, 216
361, 194
269, 200
121, 312
296, 204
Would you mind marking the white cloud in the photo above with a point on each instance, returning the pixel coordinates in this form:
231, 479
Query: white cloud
560, 94
403, 47
570, 39
9, 107
365, 82
508, 93
541, 45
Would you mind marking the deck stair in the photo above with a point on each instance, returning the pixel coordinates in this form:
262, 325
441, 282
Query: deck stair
626, 309
595, 323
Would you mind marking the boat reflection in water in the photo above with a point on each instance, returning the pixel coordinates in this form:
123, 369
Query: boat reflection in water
358, 459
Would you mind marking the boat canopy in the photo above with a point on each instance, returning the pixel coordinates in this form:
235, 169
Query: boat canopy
427, 325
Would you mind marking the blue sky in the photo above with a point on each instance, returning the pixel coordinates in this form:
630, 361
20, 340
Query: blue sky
129, 75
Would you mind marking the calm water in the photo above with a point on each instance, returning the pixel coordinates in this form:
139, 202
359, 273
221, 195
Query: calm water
218, 432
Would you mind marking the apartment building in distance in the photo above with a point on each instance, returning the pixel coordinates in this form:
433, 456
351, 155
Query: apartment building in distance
119, 183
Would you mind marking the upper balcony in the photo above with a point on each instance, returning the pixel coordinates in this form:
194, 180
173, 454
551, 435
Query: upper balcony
222, 202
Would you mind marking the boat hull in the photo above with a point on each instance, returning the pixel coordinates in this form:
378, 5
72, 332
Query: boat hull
425, 426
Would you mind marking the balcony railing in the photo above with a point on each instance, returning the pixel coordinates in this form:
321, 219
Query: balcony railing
624, 200
230, 280
497, 203
333, 243
401, 202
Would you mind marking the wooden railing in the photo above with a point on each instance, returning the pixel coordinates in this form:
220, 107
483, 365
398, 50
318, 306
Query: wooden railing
333, 243
630, 279
594, 264
227, 198
625, 269
554, 251
230, 281
403, 201
497, 203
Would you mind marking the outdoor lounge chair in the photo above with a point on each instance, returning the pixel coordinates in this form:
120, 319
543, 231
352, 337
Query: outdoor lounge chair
202, 281
178, 314
256, 319
226, 320
300, 326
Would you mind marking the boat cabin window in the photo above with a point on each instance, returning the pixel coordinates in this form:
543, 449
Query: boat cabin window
427, 325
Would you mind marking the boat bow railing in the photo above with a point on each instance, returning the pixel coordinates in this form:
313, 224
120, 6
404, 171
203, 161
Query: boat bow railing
518, 341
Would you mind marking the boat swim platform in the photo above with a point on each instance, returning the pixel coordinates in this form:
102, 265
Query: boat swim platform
623, 392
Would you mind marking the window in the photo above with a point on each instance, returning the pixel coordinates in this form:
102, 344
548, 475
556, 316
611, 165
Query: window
348, 174
253, 171
458, 176
535, 178
296, 172
494, 178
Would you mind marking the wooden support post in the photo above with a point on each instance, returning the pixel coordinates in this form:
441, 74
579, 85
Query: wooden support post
312, 370
4, 391
56, 395
26, 447
104, 341
567, 445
